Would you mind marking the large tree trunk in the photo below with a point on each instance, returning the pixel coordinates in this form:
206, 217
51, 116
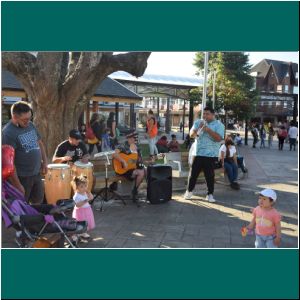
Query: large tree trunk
60, 84
54, 121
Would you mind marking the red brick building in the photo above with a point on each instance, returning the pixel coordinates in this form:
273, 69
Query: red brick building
277, 82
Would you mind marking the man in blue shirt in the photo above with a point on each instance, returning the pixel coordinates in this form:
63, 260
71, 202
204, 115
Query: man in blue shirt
209, 133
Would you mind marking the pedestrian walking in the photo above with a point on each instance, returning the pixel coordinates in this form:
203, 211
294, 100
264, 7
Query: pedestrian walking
282, 134
263, 135
271, 133
293, 134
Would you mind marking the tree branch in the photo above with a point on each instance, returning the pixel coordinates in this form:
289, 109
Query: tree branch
49, 66
22, 65
134, 63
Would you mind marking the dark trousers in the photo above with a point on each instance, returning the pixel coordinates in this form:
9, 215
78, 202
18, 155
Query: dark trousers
292, 143
207, 164
255, 140
280, 143
34, 188
91, 148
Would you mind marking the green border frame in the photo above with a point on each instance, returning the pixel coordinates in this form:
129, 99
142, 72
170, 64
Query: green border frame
167, 274
132, 26
155, 26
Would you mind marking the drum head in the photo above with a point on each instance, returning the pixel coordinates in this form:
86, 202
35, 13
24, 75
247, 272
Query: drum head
58, 166
82, 165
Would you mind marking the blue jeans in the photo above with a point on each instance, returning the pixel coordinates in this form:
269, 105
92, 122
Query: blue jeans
265, 241
152, 146
231, 170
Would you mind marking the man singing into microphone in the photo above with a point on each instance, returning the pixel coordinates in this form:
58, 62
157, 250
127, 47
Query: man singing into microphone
210, 133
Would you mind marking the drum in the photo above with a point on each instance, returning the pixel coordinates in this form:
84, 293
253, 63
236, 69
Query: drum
80, 168
57, 183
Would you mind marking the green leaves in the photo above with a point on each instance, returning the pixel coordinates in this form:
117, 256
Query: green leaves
234, 84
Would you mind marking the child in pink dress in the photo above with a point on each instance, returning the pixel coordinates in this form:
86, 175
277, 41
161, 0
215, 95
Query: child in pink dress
82, 210
266, 221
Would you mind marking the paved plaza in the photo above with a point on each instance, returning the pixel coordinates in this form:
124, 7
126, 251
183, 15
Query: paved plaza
196, 223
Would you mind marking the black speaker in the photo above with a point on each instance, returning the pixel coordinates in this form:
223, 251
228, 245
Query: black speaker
159, 183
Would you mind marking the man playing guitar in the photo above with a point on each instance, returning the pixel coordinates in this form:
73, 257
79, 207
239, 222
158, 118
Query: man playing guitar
127, 161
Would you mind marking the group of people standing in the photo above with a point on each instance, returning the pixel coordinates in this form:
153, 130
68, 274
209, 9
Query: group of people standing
260, 132
100, 134
31, 161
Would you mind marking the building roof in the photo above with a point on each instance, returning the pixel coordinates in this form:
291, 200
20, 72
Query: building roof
187, 82
9, 81
280, 68
108, 87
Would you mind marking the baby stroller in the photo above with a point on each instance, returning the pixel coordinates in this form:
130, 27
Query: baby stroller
35, 223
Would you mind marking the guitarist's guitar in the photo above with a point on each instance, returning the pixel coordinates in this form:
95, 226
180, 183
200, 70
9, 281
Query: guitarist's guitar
130, 159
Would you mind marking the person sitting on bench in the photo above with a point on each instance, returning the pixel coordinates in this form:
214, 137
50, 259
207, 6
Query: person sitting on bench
131, 169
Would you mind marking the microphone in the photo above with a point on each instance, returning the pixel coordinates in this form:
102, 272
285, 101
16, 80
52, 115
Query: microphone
203, 122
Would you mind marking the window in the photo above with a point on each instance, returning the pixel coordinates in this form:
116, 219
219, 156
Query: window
295, 90
270, 103
286, 88
278, 103
287, 74
296, 75
285, 104
279, 88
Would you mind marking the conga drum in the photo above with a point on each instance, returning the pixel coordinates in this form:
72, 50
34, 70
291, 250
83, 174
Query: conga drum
58, 183
80, 168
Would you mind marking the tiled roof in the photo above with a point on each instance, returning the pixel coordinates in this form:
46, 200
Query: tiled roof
108, 87
280, 68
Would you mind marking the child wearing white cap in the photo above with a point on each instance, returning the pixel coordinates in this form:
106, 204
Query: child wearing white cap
266, 221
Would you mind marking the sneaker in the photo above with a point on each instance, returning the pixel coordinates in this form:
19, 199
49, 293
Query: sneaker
210, 198
188, 195
74, 239
85, 235
235, 186
81, 240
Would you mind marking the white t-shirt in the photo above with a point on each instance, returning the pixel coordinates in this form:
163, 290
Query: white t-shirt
81, 197
293, 132
232, 151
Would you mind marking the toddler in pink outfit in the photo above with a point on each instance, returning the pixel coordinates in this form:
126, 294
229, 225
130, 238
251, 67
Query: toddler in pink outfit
266, 221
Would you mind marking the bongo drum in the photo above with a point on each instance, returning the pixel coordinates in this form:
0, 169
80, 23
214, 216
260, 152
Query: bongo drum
80, 168
57, 183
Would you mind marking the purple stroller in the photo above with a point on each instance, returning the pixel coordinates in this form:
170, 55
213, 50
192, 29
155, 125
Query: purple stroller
35, 221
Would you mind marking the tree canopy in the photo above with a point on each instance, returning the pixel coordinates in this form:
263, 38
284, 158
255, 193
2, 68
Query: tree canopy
234, 84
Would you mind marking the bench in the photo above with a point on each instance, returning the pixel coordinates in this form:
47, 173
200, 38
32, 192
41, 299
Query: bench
180, 165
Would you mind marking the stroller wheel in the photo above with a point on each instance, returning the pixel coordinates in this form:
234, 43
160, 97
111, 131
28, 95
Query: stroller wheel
21, 242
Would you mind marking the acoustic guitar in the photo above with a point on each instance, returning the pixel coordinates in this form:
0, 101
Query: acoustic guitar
130, 159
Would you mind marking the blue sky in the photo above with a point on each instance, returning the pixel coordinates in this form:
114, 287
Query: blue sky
181, 63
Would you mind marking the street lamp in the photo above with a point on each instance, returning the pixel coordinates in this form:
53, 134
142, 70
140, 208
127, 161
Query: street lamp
204, 83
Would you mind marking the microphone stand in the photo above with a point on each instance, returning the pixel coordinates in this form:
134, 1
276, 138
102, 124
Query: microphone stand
104, 192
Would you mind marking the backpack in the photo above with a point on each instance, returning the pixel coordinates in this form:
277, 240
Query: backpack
283, 133
90, 133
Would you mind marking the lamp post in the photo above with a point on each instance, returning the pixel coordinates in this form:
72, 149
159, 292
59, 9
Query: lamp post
204, 83
214, 90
